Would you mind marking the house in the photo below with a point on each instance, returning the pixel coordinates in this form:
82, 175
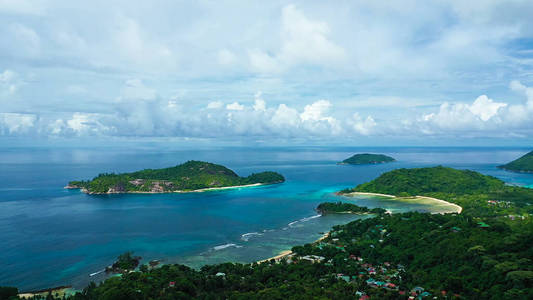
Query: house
313, 258
364, 297
171, 284
220, 274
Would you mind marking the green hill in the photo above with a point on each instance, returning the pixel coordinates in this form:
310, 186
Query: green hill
367, 158
522, 164
419, 181
192, 175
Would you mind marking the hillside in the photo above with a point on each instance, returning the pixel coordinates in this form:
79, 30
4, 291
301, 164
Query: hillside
192, 175
412, 182
367, 158
522, 164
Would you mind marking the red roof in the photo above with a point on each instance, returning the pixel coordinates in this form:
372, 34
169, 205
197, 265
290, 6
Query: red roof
364, 297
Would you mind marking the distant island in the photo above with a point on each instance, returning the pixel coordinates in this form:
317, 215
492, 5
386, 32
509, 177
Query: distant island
367, 158
523, 164
188, 177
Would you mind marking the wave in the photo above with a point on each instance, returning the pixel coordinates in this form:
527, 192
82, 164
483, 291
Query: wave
247, 236
96, 273
220, 247
304, 220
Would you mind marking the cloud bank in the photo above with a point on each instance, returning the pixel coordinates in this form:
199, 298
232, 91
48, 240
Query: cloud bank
259, 70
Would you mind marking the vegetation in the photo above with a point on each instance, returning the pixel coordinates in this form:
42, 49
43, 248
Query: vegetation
7, 292
413, 182
483, 253
366, 158
125, 261
522, 164
192, 175
343, 207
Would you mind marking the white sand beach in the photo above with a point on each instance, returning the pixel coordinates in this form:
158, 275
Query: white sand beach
427, 200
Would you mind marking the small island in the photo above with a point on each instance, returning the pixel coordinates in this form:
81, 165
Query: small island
523, 164
125, 262
192, 176
346, 208
367, 158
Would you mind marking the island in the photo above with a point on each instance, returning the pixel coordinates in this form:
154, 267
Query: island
523, 164
192, 176
125, 262
346, 208
367, 158
484, 252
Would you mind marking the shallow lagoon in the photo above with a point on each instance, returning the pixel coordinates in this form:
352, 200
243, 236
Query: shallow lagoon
50, 236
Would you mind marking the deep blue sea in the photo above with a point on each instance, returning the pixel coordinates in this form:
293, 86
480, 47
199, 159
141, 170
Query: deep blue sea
50, 236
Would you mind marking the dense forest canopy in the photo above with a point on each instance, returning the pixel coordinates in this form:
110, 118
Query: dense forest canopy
343, 207
192, 175
419, 181
522, 164
367, 158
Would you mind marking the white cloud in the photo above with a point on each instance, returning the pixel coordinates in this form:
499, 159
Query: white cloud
234, 106
9, 83
303, 41
362, 126
259, 103
83, 124
315, 111
306, 40
215, 105
16, 123
485, 108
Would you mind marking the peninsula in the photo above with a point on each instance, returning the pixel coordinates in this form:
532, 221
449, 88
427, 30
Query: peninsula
346, 208
523, 164
367, 158
188, 177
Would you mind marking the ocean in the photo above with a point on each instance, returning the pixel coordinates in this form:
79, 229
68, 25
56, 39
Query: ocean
50, 236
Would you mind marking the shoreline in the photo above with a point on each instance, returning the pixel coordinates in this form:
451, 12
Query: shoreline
458, 208
178, 191
286, 253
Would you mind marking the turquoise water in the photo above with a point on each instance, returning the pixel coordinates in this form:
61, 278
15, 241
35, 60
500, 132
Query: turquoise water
50, 236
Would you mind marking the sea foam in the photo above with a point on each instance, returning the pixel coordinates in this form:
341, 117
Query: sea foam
220, 247
247, 236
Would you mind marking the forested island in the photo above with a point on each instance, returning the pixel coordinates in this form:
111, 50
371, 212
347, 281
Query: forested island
189, 176
522, 164
343, 207
367, 158
486, 252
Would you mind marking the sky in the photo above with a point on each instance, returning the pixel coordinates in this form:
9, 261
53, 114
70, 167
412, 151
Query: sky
267, 72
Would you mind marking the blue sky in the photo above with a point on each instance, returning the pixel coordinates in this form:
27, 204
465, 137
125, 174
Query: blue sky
356, 72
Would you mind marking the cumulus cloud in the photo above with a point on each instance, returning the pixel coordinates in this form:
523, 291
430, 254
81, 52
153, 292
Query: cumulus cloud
259, 103
215, 104
303, 41
483, 117
16, 123
361, 125
234, 106
9, 82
